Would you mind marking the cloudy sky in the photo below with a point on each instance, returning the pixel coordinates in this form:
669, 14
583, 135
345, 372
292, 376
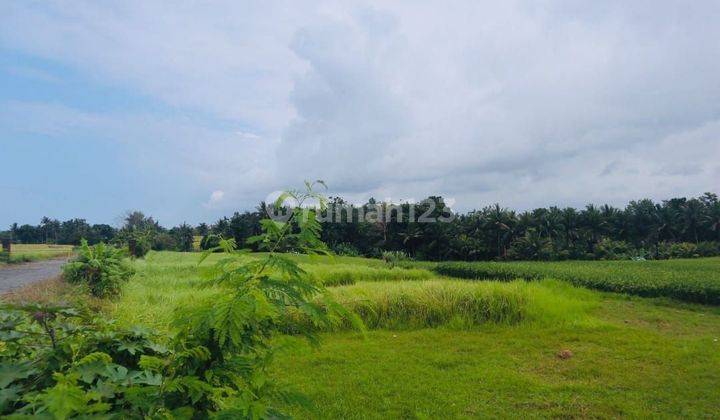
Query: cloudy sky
192, 111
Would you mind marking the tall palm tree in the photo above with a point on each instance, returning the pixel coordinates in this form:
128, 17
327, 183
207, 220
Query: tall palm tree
570, 226
411, 236
498, 221
593, 223
692, 214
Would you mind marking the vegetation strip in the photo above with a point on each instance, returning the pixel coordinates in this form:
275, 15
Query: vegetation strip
689, 280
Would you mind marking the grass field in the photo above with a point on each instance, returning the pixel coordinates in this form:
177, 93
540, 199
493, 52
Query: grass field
33, 252
439, 347
692, 280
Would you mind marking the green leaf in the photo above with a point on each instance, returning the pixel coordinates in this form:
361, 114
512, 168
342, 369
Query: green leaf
10, 373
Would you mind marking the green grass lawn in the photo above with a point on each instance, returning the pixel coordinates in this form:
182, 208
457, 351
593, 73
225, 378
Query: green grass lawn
492, 349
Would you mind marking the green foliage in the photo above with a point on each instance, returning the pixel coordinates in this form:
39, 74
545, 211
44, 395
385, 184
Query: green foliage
210, 241
139, 242
393, 258
237, 327
608, 249
346, 250
99, 267
531, 246
667, 250
681, 279
62, 362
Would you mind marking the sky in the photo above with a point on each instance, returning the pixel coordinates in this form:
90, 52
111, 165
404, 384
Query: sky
193, 110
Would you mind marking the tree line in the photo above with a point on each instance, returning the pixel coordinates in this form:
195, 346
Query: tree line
678, 227
136, 227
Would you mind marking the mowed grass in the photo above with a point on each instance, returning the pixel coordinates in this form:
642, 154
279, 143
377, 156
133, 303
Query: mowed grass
692, 280
639, 360
449, 348
35, 252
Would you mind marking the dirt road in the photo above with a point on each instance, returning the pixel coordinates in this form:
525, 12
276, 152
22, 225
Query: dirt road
14, 276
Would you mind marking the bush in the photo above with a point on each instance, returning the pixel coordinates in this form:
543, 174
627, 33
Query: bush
608, 249
346, 250
393, 258
138, 247
677, 250
60, 362
100, 267
708, 249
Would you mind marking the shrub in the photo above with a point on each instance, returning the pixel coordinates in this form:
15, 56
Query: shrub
393, 258
100, 267
56, 359
708, 249
139, 246
60, 362
346, 250
608, 249
677, 250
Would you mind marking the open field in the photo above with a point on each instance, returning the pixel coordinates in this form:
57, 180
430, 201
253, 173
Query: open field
36, 252
692, 280
451, 348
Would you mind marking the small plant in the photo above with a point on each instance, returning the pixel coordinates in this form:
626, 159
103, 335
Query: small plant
100, 267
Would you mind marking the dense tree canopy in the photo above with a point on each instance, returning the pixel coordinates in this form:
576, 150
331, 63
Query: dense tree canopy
678, 227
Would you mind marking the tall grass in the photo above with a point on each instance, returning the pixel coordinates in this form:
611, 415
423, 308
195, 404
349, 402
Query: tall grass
696, 280
461, 304
346, 274
434, 303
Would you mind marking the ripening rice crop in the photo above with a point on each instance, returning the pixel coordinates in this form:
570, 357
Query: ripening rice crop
696, 280
433, 303
345, 274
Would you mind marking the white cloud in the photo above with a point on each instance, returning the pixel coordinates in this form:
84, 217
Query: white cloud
523, 103
215, 198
